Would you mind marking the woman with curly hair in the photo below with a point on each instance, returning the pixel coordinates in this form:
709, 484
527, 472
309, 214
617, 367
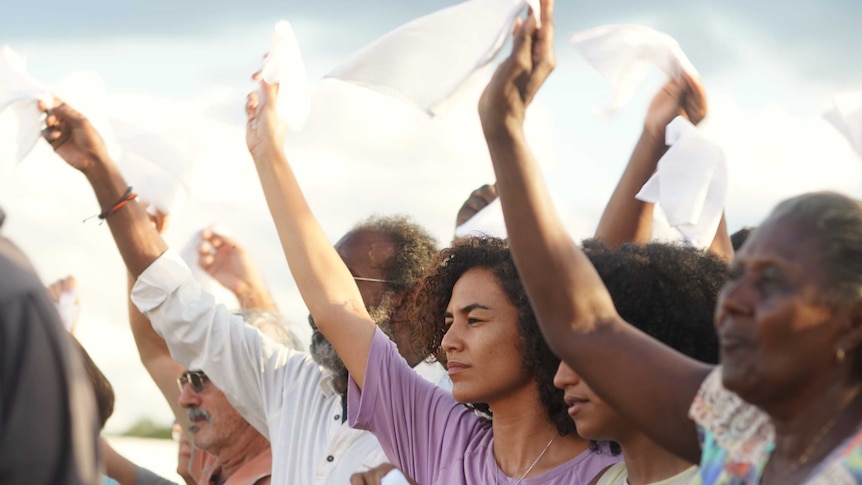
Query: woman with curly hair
485, 327
471, 312
668, 291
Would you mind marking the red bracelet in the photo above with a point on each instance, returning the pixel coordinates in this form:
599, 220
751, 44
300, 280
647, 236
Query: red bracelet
128, 196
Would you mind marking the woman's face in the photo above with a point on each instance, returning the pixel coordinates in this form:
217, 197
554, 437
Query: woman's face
594, 419
482, 343
778, 339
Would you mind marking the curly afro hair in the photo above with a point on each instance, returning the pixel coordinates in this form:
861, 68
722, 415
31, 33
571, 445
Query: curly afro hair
415, 249
666, 290
435, 290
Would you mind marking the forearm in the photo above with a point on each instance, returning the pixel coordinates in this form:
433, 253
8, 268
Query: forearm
156, 358
721, 245
625, 218
254, 295
566, 291
137, 240
325, 283
116, 465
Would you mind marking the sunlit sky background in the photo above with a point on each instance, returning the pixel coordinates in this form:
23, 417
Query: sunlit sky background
770, 69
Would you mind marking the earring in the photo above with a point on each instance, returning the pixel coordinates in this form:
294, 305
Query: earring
840, 355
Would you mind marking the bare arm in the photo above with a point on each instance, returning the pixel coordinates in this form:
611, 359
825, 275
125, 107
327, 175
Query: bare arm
325, 283
77, 142
152, 348
645, 380
226, 260
627, 219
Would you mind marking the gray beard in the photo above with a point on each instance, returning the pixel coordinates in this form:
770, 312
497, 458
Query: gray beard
324, 353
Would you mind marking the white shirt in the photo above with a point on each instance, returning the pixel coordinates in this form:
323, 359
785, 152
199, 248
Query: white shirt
283, 393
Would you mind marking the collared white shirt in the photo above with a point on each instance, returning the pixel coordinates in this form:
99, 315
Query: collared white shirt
283, 393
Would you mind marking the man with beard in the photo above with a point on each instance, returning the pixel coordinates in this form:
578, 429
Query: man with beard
298, 400
281, 392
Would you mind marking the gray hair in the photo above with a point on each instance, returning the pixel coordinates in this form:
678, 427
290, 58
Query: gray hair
273, 326
835, 220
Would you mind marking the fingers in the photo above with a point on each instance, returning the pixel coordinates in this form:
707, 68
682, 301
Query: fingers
251, 104
268, 93
695, 102
543, 58
63, 285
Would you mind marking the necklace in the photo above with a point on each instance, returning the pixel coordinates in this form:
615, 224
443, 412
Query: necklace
812, 445
535, 462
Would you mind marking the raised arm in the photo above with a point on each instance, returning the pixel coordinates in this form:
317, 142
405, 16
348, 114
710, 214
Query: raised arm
325, 283
645, 380
226, 260
629, 220
153, 350
77, 142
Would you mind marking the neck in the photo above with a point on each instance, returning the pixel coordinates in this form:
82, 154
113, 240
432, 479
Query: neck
647, 462
244, 447
522, 430
804, 438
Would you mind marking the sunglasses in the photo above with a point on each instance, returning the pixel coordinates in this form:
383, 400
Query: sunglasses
196, 378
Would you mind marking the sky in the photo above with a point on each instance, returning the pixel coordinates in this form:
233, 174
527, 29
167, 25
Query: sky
770, 69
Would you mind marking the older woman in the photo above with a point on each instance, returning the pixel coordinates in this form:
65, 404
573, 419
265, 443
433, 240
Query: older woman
784, 405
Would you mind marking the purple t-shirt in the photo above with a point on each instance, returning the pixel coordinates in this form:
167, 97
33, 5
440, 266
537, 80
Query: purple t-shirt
432, 437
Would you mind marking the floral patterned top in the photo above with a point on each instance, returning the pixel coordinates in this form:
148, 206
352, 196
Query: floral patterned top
738, 438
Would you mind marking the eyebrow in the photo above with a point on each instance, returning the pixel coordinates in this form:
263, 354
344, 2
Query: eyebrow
467, 309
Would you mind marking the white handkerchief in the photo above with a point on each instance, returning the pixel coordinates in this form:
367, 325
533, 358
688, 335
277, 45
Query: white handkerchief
283, 65
487, 222
20, 129
431, 60
157, 160
690, 183
69, 308
394, 477
20, 118
16, 83
846, 115
624, 54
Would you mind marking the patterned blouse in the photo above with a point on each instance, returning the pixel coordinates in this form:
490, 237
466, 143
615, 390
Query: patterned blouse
738, 438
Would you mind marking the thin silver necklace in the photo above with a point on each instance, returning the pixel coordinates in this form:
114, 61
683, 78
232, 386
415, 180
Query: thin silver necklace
497, 469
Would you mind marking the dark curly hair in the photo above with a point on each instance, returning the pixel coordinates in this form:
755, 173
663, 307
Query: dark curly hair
414, 249
435, 290
666, 290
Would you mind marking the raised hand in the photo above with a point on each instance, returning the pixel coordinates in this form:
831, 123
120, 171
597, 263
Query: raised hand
265, 131
518, 78
681, 96
229, 263
64, 294
72, 136
478, 200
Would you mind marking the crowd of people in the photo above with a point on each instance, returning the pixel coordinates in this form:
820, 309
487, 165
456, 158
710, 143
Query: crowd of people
531, 359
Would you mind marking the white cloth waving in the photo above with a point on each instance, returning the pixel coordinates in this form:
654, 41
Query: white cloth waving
283, 65
846, 115
430, 60
690, 183
624, 54
20, 118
